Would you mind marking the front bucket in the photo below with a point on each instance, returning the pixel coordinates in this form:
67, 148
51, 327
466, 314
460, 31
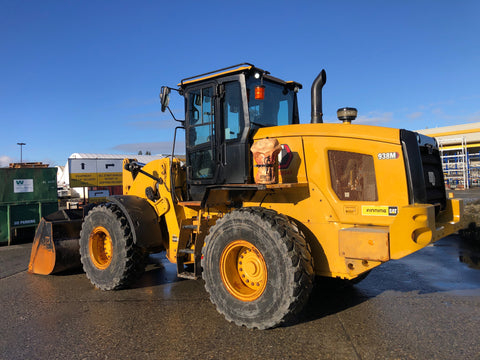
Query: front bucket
56, 246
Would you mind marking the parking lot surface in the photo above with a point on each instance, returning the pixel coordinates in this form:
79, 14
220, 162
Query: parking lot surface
425, 306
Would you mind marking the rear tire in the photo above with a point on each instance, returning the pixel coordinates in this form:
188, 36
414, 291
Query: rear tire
110, 258
257, 268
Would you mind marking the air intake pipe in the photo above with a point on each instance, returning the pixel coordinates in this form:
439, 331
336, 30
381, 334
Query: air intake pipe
317, 112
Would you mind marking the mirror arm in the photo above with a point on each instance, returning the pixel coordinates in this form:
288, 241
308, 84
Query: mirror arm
174, 118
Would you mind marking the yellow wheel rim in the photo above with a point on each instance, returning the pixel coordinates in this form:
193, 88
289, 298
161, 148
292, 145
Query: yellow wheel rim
243, 270
100, 247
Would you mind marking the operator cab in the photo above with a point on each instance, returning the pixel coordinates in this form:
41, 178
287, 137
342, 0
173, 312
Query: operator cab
222, 111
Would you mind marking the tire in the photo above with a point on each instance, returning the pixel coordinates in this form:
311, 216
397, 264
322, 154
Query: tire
109, 257
257, 268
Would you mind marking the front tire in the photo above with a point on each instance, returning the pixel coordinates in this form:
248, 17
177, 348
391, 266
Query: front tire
110, 258
257, 268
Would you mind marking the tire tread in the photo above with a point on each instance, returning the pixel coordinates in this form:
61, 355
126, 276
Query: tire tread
297, 250
134, 261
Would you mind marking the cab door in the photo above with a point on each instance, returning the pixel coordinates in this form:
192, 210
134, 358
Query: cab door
201, 139
233, 136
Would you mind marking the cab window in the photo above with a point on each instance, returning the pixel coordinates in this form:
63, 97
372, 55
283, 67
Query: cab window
201, 133
202, 164
233, 111
200, 111
276, 109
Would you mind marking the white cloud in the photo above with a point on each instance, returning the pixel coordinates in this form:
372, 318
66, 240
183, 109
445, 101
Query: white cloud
5, 160
415, 115
374, 118
440, 114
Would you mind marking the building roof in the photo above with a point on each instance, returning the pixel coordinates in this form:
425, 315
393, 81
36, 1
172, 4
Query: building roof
452, 130
454, 135
140, 158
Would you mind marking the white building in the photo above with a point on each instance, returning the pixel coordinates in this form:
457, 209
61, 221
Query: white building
63, 173
460, 150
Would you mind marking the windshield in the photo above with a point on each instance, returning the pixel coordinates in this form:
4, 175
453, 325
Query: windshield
276, 109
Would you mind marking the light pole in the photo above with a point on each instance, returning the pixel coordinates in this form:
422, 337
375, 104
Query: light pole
21, 155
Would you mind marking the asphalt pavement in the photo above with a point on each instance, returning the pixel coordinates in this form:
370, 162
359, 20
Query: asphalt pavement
425, 306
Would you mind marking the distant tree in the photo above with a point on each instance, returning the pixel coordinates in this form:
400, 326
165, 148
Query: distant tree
140, 152
148, 152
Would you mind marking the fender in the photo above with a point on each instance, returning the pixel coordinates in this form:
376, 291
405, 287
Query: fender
143, 221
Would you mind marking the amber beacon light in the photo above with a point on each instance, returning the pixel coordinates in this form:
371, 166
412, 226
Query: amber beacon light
260, 92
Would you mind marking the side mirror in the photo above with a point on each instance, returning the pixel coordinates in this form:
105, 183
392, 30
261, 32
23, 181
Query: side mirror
164, 97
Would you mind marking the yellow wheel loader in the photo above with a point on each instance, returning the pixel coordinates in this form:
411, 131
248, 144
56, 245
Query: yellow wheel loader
262, 204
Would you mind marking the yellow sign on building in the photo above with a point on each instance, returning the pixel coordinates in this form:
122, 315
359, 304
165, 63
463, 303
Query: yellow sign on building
95, 172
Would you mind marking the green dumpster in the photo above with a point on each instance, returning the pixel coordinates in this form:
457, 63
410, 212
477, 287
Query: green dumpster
26, 194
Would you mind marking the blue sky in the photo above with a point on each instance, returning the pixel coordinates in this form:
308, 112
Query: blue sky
84, 76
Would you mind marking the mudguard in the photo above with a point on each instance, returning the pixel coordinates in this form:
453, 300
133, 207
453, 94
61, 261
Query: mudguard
143, 220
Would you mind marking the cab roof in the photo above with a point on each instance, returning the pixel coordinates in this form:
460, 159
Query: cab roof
239, 68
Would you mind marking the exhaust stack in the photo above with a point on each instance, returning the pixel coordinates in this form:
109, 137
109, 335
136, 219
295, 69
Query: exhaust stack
317, 112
